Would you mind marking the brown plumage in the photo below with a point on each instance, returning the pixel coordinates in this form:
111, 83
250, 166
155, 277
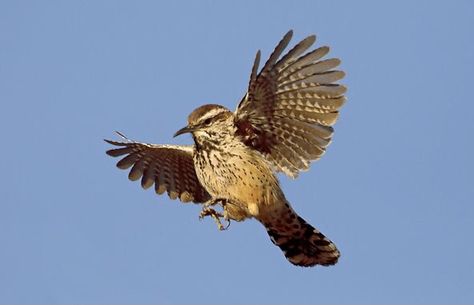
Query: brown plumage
281, 125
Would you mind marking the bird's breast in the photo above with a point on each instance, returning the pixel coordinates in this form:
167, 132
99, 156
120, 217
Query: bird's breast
238, 176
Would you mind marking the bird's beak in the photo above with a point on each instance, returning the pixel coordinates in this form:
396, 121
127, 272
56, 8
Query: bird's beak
184, 130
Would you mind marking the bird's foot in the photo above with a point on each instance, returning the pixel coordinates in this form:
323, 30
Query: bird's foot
207, 211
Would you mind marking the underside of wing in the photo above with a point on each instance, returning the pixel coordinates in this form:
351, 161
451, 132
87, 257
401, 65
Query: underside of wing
169, 167
291, 105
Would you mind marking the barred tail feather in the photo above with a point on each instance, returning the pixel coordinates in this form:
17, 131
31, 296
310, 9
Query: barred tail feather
302, 244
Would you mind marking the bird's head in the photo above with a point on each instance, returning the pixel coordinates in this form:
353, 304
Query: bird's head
209, 123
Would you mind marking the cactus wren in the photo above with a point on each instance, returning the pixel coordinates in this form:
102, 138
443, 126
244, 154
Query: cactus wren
282, 123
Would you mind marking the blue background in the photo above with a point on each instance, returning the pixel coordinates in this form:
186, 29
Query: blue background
395, 190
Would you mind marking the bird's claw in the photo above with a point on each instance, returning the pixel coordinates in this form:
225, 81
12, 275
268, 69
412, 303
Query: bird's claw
206, 211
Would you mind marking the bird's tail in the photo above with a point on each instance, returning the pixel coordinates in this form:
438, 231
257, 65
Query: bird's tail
302, 244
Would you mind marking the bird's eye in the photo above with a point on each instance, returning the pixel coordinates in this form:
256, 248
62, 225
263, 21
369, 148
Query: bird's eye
207, 122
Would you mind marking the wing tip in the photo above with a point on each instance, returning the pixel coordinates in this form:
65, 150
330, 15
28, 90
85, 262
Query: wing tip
324, 49
336, 60
311, 39
110, 152
114, 152
343, 89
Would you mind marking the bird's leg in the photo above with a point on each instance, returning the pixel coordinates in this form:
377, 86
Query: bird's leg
211, 202
208, 211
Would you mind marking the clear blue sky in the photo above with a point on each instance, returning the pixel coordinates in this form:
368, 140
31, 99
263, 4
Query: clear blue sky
395, 190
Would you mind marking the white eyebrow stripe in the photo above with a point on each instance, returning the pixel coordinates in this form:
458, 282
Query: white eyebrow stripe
212, 113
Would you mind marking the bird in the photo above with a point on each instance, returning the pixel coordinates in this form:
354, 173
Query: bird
283, 123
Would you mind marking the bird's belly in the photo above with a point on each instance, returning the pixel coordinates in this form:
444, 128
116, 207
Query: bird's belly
245, 184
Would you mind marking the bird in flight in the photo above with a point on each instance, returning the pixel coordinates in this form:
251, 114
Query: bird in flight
283, 122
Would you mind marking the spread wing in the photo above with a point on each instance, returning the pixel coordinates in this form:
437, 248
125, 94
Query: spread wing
169, 167
291, 105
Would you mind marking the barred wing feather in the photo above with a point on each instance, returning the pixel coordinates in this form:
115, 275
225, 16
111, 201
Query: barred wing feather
169, 167
291, 105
